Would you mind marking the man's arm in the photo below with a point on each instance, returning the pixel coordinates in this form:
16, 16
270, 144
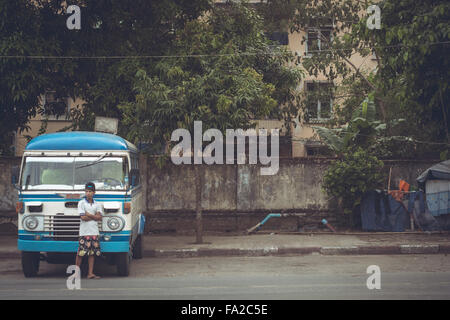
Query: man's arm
83, 214
86, 217
99, 213
97, 216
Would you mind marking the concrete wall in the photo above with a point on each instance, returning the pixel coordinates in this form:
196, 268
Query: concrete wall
241, 188
234, 197
8, 196
238, 188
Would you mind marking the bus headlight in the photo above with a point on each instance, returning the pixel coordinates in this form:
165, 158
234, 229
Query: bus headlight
115, 223
33, 223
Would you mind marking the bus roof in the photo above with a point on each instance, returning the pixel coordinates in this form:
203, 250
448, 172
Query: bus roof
80, 140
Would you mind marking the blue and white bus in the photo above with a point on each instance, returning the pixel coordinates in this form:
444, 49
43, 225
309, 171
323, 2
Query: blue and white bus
55, 168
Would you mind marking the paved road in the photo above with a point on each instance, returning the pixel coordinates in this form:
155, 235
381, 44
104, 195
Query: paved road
242, 278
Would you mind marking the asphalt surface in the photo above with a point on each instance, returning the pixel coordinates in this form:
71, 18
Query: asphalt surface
296, 277
308, 266
241, 287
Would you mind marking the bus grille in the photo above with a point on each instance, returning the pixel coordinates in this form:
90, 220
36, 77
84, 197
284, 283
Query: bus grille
64, 228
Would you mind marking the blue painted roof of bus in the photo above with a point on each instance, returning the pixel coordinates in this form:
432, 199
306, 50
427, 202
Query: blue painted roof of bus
79, 140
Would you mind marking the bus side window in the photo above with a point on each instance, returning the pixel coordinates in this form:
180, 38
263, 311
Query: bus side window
135, 178
134, 173
138, 176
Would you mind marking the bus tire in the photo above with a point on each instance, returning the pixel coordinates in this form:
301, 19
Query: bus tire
138, 248
123, 263
30, 263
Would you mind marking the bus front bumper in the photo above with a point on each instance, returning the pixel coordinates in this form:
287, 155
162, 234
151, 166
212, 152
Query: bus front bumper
28, 242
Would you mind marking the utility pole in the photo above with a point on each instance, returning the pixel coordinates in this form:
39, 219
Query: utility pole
198, 202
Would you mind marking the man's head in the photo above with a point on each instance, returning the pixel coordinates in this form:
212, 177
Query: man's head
89, 188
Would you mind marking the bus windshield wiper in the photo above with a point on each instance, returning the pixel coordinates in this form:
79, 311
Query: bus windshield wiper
93, 162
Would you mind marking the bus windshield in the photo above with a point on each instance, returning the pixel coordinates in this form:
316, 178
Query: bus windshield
72, 173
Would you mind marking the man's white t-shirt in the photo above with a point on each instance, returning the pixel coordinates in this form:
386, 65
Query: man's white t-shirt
89, 228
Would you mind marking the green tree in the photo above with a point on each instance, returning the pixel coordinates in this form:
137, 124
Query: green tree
350, 177
411, 82
221, 71
411, 48
109, 28
22, 80
155, 65
124, 29
361, 130
414, 68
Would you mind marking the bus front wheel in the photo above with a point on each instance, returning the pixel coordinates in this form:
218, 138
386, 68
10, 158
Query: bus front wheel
30, 263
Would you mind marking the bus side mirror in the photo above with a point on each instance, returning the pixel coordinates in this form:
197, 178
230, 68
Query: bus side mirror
15, 171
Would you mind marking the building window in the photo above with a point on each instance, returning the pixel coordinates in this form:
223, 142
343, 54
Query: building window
319, 100
55, 108
317, 149
318, 39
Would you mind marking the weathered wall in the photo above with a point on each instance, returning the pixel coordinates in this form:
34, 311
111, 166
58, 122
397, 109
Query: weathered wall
234, 197
8, 195
238, 188
173, 188
296, 186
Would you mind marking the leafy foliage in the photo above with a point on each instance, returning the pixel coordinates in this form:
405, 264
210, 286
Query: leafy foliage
117, 28
221, 68
21, 80
411, 49
410, 82
224, 75
414, 69
357, 170
351, 176
363, 130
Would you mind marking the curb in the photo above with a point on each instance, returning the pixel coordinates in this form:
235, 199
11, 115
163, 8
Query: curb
273, 251
276, 251
339, 250
419, 249
372, 250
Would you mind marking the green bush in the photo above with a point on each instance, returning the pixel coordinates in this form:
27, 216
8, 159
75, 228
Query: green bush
350, 177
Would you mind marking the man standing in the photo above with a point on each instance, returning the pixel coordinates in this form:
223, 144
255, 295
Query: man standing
89, 243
